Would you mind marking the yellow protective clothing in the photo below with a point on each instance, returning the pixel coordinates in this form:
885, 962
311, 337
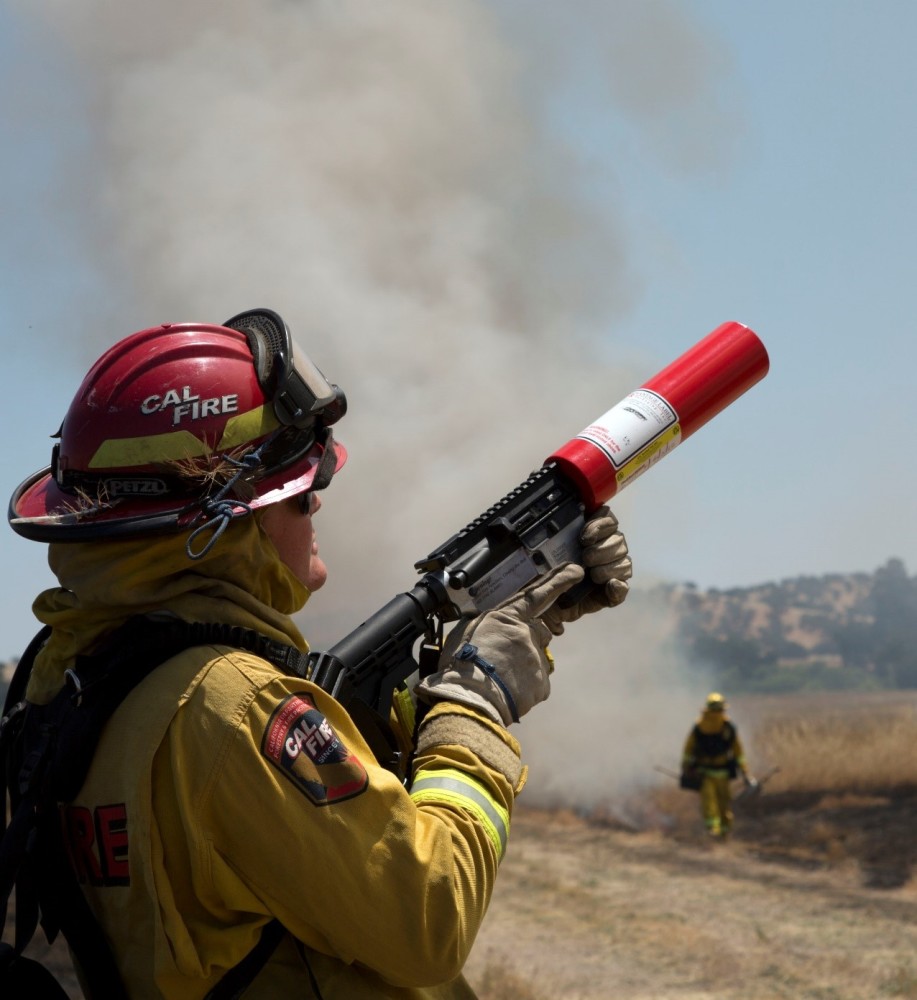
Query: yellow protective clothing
225, 793
714, 749
716, 804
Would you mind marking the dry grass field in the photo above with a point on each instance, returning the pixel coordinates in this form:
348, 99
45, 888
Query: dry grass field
814, 897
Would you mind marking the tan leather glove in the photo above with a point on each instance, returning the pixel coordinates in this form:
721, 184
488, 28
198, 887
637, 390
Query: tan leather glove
498, 662
605, 556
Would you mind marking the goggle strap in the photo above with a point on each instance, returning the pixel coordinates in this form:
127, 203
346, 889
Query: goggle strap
327, 464
268, 338
288, 377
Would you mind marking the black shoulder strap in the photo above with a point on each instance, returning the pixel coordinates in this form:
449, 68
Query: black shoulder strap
13, 845
16, 690
242, 975
34, 861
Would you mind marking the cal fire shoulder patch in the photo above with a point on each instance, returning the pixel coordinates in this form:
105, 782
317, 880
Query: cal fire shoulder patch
300, 742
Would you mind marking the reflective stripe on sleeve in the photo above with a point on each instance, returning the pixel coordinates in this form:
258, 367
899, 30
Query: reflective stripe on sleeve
459, 789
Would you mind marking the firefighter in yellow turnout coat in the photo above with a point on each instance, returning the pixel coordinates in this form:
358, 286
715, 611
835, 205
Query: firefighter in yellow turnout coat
226, 794
713, 753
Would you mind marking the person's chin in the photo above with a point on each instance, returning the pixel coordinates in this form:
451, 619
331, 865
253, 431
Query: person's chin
317, 575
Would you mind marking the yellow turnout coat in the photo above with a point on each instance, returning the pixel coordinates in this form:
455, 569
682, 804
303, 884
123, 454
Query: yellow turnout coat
225, 794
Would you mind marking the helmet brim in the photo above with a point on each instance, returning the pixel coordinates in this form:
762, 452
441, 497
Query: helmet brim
39, 510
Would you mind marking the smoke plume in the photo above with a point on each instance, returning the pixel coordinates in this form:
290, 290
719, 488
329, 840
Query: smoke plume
391, 177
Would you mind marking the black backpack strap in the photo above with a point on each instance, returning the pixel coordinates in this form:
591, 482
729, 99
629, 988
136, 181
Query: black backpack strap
24, 977
235, 982
65, 907
16, 691
45, 754
31, 852
14, 839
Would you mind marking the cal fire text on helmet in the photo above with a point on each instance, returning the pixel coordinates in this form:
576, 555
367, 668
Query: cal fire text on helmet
184, 404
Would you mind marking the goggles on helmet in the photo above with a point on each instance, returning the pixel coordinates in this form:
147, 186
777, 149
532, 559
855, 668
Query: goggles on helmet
164, 408
299, 391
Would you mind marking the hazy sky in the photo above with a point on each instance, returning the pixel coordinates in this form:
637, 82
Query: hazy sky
487, 222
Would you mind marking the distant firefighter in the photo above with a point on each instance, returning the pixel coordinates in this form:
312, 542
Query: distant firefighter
713, 756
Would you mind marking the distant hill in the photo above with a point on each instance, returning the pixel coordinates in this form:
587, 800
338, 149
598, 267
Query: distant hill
833, 631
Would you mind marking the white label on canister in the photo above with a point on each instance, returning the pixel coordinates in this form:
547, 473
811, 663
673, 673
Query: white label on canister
630, 426
657, 448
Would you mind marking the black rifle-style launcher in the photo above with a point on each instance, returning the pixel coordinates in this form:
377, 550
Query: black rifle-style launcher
537, 526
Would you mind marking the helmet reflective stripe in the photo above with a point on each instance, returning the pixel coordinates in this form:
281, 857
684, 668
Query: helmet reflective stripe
460, 789
126, 453
248, 426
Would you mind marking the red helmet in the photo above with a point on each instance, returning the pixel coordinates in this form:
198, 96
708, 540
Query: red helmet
178, 397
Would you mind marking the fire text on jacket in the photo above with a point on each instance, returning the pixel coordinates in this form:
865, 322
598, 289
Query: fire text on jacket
97, 843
